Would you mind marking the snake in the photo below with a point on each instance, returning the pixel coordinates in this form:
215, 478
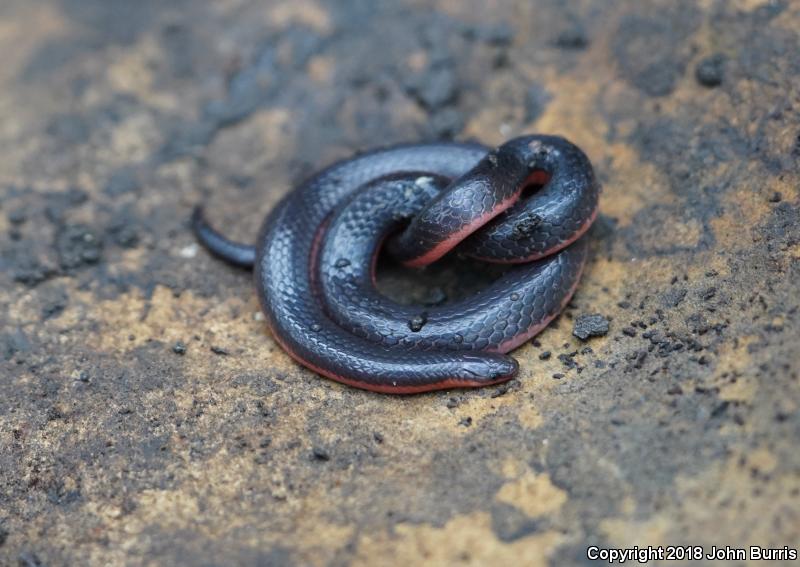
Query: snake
526, 203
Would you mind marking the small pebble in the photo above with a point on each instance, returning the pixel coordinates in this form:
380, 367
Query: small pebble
417, 322
320, 454
567, 360
17, 216
189, 251
28, 559
574, 37
710, 71
586, 326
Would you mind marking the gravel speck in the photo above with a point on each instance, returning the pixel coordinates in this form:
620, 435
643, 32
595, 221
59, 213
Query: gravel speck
77, 245
710, 71
320, 454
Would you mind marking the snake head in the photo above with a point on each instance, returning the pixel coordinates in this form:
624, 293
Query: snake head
483, 369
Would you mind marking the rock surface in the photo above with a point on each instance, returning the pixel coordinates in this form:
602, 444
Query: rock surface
147, 417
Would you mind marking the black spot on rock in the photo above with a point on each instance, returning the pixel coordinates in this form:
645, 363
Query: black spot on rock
568, 360
122, 230
320, 454
573, 37
710, 70
17, 216
55, 300
30, 271
29, 559
77, 245
638, 358
674, 297
510, 524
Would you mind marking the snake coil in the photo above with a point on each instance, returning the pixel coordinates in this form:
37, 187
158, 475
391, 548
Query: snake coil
314, 259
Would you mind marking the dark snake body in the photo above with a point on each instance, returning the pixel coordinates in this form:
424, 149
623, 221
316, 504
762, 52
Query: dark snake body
314, 259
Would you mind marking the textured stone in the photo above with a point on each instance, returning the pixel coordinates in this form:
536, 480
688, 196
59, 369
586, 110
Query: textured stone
119, 116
